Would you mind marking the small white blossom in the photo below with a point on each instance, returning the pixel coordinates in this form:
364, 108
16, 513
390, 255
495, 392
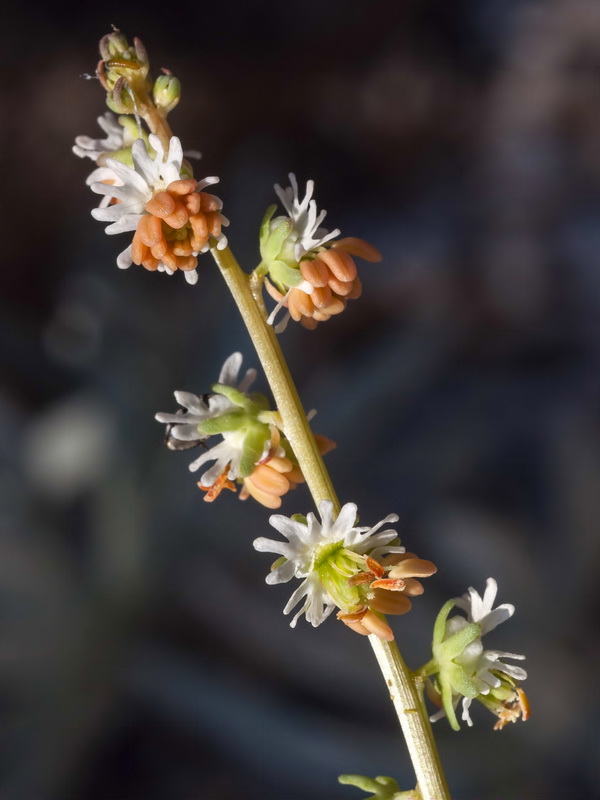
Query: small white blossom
307, 544
185, 425
306, 234
481, 664
86, 147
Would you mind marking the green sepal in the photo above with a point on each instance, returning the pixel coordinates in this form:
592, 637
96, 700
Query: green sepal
236, 397
439, 629
299, 518
260, 401
455, 644
124, 156
254, 444
447, 696
284, 276
265, 228
460, 681
383, 788
272, 242
231, 421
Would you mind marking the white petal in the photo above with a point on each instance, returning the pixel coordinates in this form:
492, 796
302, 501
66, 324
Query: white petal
124, 260
466, 703
230, 369
191, 276
282, 574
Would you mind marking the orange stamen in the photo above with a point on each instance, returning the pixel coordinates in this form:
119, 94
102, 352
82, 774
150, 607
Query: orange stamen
222, 482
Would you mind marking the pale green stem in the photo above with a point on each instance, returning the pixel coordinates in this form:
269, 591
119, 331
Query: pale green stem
295, 424
403, 690
408, 702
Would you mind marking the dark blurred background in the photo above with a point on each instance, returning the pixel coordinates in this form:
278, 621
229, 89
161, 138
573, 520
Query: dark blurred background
142, 656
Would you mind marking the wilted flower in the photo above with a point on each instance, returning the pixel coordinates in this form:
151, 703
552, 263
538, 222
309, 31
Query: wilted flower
464, 669
173, 218
332, 557
309, 274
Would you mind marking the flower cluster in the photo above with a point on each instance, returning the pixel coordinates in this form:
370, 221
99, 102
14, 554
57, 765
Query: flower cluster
338, 563
173, 218
309, 274
146, 185
465, 670
252, 450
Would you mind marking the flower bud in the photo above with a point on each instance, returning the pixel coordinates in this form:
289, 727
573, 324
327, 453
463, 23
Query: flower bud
121, 60
120, 99
166, 92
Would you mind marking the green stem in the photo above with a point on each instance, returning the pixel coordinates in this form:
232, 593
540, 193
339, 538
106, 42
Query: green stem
412, 715
403, 690
295, 424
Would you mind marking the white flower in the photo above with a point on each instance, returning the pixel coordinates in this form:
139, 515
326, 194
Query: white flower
306, 234
318, 547
86, 147
134, 187
140, 184
185, 425
482, 664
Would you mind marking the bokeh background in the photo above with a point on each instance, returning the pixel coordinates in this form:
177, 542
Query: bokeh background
142, 656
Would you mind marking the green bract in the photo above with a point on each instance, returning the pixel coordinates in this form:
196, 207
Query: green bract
452, 678
382, 788
247, 420
277, 252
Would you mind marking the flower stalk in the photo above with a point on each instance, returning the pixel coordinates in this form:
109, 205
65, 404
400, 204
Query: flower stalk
404, 693
295, 424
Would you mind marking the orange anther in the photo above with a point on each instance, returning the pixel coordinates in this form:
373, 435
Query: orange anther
192, 202
209, 202
213, 220
199, 227
161, 205
391, 585
302, 302
178, 217
187, 262
359, 248
321, 297
336, 306
182, 186
138, 249
524, 705
150, 230
315, 272
375, 567
269, 480
159, 249
222, 482
356, 289
340, 263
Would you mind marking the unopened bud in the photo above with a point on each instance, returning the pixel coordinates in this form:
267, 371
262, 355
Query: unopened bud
167, 92
121, 60
114, 45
